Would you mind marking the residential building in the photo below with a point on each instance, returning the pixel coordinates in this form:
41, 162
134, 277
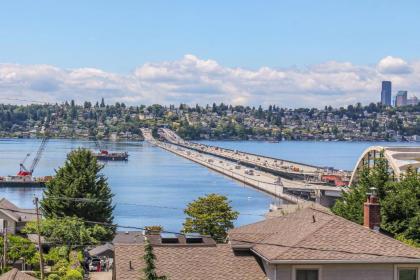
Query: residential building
401, 98
315, 244
386, 93
179, 258
311, 243
16, 217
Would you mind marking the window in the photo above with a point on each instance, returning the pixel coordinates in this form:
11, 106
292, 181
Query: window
307, 274
407, 273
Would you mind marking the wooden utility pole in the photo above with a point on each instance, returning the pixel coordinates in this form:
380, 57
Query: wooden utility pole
41, 258
4, 259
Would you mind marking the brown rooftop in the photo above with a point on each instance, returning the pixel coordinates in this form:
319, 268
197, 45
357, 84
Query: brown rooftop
156, 240
188, 263
15, 274
129, 237
314, 235
15, 213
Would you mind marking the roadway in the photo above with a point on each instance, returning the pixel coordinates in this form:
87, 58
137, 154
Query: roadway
261, 180
285, 168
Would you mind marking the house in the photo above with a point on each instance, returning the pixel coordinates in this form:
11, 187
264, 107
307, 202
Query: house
16, 217
105, 250
310, 243
181, 257
15, 274
315, 244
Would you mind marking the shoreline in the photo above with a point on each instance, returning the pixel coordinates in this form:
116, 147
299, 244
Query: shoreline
222, 139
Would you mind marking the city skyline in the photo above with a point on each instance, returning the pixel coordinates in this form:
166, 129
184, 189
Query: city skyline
239, 53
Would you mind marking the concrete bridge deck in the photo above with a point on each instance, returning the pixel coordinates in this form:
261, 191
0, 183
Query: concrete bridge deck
274, 185
281, 167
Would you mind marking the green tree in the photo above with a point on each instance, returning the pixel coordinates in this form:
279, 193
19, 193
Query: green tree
350, 205
73, 274
79, 190
210, 215
19, 248
399, 201
69, 231
400, 208
150, 269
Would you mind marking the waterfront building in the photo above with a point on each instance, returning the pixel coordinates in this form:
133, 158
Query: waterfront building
401, 98
386, 93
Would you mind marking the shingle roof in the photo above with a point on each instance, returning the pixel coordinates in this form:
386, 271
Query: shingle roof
16, 213
129, 237
98, 250
316, 235
15, 274
188, 263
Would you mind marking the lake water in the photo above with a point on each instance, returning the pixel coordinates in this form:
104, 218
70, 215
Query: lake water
154, 185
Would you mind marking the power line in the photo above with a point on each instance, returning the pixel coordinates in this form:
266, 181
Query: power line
133, 204
231, 239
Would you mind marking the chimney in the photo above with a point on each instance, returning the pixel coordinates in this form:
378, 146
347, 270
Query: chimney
371, 211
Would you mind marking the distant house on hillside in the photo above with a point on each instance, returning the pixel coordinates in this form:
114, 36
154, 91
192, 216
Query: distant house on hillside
16, 217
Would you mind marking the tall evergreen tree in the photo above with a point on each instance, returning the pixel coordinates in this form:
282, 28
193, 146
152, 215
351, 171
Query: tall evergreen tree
400, 208
350, 205
150, 268
79, 190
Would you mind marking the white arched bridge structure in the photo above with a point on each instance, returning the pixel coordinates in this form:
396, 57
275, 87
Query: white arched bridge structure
399, 159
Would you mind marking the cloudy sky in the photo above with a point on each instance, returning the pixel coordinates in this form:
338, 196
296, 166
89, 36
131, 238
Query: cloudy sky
298, 53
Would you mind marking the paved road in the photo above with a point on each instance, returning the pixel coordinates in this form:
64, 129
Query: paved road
101, 275
279, 165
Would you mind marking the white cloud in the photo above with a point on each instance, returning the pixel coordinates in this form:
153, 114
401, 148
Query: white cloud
393, 65
193, 80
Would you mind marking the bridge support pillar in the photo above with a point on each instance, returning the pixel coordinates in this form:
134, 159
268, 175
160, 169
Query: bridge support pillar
323, 199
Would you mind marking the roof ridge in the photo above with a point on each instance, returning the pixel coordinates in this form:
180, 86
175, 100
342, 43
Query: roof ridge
309, 233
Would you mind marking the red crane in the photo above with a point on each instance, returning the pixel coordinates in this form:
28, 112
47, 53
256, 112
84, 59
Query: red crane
28, 172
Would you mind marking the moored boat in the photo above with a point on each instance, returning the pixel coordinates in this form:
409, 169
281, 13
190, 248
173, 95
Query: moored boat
104, 155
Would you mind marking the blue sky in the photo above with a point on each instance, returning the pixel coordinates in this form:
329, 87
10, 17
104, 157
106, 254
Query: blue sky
121, 37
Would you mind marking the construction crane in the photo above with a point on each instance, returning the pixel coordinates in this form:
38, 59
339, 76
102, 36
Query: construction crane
28, 172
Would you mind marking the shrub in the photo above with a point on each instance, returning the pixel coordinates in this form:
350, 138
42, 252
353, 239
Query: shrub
53, 276
73, 274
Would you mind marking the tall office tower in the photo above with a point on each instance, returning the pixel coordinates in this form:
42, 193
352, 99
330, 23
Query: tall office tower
386, 93
401, 98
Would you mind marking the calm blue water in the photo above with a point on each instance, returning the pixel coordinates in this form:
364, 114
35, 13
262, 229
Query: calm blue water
150, 177
156, 177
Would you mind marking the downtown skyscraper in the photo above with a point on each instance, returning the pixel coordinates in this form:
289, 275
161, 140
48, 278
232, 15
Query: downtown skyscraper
386, 93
